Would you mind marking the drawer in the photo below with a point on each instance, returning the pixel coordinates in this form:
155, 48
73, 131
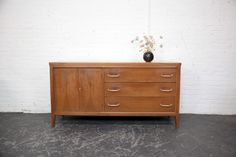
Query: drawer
140, 75
140, 104
140, 89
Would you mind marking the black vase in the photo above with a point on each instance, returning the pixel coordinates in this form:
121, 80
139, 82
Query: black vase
148, 56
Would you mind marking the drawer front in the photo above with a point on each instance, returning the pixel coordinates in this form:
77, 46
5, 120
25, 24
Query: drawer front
140, 75
140, 89
140, 104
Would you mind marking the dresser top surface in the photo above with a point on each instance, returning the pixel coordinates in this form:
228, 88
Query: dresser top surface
115, 64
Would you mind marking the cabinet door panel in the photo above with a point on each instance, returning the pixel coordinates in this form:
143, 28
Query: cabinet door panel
66, 86
92, 95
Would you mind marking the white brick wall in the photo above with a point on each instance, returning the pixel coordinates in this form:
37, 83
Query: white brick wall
199, 33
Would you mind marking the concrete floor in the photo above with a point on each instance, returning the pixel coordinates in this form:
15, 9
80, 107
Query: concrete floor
23, 135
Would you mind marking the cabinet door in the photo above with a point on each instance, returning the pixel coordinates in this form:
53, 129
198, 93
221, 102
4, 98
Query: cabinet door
92, 92
66, 88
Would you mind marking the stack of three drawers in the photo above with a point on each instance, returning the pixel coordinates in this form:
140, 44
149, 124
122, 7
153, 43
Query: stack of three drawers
143, 91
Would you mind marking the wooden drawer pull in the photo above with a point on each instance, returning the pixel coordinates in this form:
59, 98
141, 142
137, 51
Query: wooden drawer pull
113, 75
166, 90
113, 90
113, 105
167, 75
166, 105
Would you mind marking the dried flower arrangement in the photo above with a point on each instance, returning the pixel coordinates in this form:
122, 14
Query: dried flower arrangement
146, 43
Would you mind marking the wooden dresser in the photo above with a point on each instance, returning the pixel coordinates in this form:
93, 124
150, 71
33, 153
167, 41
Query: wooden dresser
115, 89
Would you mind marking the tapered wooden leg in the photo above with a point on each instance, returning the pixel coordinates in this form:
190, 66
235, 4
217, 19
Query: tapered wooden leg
53, 120
177, 121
